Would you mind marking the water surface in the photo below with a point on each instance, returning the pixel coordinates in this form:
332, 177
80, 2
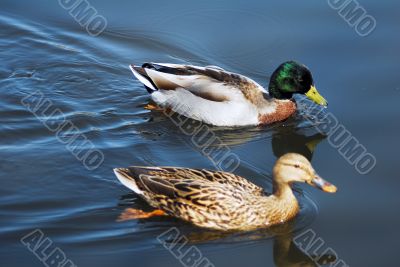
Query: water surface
42, 48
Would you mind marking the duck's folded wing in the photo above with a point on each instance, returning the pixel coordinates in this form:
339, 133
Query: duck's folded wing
211, 82
202, 175
198, 196
204, 204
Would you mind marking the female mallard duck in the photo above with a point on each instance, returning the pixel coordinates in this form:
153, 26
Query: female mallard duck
220, 200
218, 97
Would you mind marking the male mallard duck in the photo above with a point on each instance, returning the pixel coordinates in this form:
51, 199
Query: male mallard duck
220, 200
218, 97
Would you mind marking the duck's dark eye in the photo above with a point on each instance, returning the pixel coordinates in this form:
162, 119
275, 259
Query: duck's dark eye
297, 166
306, 80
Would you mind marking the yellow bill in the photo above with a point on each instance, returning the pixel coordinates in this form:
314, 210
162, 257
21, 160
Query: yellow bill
316, 97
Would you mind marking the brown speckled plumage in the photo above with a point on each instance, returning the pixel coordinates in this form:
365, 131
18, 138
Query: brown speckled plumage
221, 200
216, 200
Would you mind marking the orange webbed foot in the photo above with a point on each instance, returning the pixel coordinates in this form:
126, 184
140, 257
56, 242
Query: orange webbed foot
135, 214
153, 107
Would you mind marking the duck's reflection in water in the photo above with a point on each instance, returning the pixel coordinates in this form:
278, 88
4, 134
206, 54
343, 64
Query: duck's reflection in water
285, 251
295, 140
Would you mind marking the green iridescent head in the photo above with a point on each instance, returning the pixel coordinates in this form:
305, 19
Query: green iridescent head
294, 78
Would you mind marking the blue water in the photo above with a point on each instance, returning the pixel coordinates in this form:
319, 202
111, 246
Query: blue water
43, 186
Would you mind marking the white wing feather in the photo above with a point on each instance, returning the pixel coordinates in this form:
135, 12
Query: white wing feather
225, 105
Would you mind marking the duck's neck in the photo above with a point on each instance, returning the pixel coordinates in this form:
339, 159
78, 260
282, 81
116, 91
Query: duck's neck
286, 200
275, 92
274, 209
282, 191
